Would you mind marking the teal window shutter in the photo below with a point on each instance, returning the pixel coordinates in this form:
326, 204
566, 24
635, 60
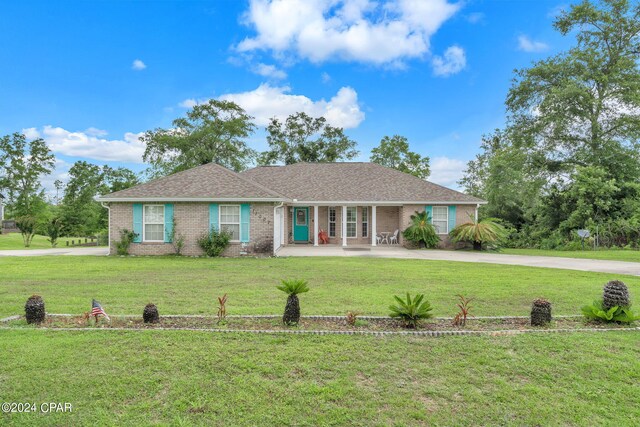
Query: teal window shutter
213, 217
452, 218
168, 222
137, 222
429, 211
245, 215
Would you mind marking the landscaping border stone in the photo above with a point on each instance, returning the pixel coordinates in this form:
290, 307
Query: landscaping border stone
326, 332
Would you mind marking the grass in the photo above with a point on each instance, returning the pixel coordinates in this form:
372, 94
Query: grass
13, 241
606, 254
197, 378
191, 285
153, 377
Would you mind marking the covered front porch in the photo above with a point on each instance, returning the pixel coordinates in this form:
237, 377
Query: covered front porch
379, 251
343, 225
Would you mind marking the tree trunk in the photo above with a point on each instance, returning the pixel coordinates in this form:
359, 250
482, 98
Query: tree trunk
477, 246
292, 311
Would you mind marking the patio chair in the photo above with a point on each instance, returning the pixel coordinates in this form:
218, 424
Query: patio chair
380, 238
393, 239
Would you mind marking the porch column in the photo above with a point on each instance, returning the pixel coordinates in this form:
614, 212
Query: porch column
315, 225
344, 225
374, 227
476, 213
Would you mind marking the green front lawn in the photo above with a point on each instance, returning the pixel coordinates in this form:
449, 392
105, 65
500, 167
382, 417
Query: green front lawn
607, 254
186, 378
13, 241
194, 377
191, 285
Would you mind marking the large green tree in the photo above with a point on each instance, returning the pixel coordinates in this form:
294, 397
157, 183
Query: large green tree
81, 214
213, 132
302, 138
569, 157
22, 165
582, 107
393, 152
503, 175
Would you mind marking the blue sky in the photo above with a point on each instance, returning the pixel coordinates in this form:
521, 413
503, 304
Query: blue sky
89, 77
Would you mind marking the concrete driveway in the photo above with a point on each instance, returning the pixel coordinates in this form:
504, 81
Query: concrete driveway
57, 251
595, 265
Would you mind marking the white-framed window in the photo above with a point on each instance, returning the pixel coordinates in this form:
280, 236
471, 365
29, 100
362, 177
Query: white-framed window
230, 221
332, 221
352, 221
440, 219
153, 223
365, 221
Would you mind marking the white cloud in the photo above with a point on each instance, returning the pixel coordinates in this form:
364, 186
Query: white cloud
82, 144
446, 171
268, 101
453, 61
95, 132
528, 45
384, 32
475, 17
31, 133
138, 65
269, 71
326, 78
188, 103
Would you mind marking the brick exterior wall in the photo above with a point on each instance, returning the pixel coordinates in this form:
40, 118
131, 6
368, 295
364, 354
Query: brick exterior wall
192, 220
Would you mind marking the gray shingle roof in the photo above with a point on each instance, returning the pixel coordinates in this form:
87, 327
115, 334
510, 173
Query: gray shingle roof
353, 182
307, 182
210, 181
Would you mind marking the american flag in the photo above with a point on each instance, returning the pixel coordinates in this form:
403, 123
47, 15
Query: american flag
96, 310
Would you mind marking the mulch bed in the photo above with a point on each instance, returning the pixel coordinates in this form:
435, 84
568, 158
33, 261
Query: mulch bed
249, 323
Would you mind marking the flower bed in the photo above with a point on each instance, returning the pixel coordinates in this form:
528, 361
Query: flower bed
312, 323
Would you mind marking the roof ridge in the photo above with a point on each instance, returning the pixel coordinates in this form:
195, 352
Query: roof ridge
250, 181
160, 178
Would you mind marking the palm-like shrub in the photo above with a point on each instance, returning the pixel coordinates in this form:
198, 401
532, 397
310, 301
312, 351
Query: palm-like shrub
292, 310
34, 309
411, 311
421, 231
487, 231
150, 314
615, 293
615, 305
540, 312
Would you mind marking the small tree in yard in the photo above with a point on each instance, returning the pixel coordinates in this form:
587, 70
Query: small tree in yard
54, 228
488, 231
292, 309
27, 227
421, 231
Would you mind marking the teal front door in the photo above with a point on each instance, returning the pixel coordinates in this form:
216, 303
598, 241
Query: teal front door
300, 224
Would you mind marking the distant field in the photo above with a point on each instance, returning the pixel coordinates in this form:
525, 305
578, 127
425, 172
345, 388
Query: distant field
607, 254
13, 241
